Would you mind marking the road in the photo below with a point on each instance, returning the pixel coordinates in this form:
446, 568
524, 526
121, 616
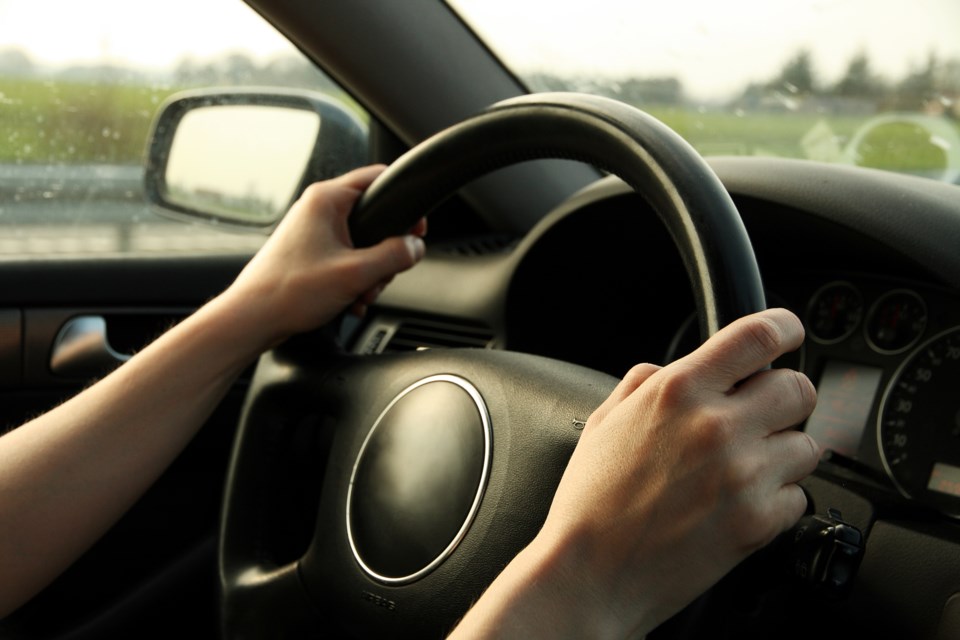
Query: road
96, 209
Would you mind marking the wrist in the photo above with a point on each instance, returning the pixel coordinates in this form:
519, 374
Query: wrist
245, 323
550, 590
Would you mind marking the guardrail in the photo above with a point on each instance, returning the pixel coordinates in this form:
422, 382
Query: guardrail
86, 210
23, 183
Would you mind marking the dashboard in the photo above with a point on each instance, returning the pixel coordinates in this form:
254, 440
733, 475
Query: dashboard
866, 260
882, 346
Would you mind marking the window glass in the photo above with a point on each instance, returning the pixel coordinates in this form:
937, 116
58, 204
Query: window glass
78, 94
856, 82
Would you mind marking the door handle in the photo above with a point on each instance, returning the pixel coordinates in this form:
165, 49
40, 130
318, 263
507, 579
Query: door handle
82, 350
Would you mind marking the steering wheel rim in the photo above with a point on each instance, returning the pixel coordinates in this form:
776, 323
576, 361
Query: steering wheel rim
646, 154
528, 397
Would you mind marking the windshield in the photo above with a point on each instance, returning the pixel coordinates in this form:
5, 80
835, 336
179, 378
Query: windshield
857, 82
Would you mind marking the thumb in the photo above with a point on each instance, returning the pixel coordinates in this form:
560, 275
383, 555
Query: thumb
391, 256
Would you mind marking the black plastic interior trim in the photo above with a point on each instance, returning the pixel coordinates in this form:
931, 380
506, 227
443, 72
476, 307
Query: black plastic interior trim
397, 66
133, 280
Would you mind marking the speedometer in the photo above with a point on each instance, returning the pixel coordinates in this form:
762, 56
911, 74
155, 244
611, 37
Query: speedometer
919, 424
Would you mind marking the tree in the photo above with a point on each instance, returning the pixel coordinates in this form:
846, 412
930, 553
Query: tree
237, 68
859, 80
797, 75
923, 81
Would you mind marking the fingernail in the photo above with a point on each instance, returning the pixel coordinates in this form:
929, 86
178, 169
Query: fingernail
416, 247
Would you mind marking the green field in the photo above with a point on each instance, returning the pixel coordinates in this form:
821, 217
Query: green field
758, 133
47, 122
57, 122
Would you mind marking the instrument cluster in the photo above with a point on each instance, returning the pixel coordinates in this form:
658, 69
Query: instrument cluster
885, 358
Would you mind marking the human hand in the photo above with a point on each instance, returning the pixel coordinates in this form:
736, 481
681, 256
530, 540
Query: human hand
679, 475
684, 471
308, 271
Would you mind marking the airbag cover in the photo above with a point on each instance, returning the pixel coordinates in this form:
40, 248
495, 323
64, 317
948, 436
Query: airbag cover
418, 480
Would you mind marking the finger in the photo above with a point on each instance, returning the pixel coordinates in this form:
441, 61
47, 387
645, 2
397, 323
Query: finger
743, 347
775, 399
790, 504
635, 377
790, 455
380, 262
360, 178
420, 229
337, 195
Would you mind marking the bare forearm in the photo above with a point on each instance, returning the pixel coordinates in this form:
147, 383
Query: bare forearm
78, 468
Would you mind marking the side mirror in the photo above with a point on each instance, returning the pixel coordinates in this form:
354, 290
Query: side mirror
242, 157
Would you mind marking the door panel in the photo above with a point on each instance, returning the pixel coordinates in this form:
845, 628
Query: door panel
154, 574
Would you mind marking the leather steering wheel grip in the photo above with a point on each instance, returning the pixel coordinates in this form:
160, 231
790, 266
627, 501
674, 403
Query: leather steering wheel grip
646, 154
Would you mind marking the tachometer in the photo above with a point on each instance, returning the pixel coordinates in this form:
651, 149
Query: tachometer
834, 312
896, 321
919, 424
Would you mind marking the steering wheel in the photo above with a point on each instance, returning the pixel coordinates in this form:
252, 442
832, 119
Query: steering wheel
415, 478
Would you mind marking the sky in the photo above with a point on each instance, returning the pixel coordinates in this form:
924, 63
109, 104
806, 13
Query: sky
714, 46
127, 32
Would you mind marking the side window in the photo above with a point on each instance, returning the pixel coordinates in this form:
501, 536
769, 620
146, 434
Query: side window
77, 98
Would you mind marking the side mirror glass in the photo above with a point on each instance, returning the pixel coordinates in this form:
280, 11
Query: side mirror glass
242, 158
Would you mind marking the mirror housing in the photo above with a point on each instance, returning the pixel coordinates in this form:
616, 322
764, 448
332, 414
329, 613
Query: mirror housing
241, 157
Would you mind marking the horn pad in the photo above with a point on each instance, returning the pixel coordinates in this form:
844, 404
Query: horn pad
418, 480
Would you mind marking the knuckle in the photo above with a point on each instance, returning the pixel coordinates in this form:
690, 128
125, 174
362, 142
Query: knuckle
714, 431
765, 334
313, 192
638, 374
675, 388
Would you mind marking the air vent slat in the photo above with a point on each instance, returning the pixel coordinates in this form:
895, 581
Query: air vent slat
477, 246
412, 335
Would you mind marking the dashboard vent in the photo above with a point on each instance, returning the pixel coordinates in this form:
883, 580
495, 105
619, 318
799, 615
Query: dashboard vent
416, 335
477, 246
392, 334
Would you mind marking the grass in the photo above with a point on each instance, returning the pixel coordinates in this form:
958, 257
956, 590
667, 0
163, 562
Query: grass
50, 122
758, 133
47, 122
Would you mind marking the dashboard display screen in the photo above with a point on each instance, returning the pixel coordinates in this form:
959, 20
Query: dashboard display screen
945, 479
844, 397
